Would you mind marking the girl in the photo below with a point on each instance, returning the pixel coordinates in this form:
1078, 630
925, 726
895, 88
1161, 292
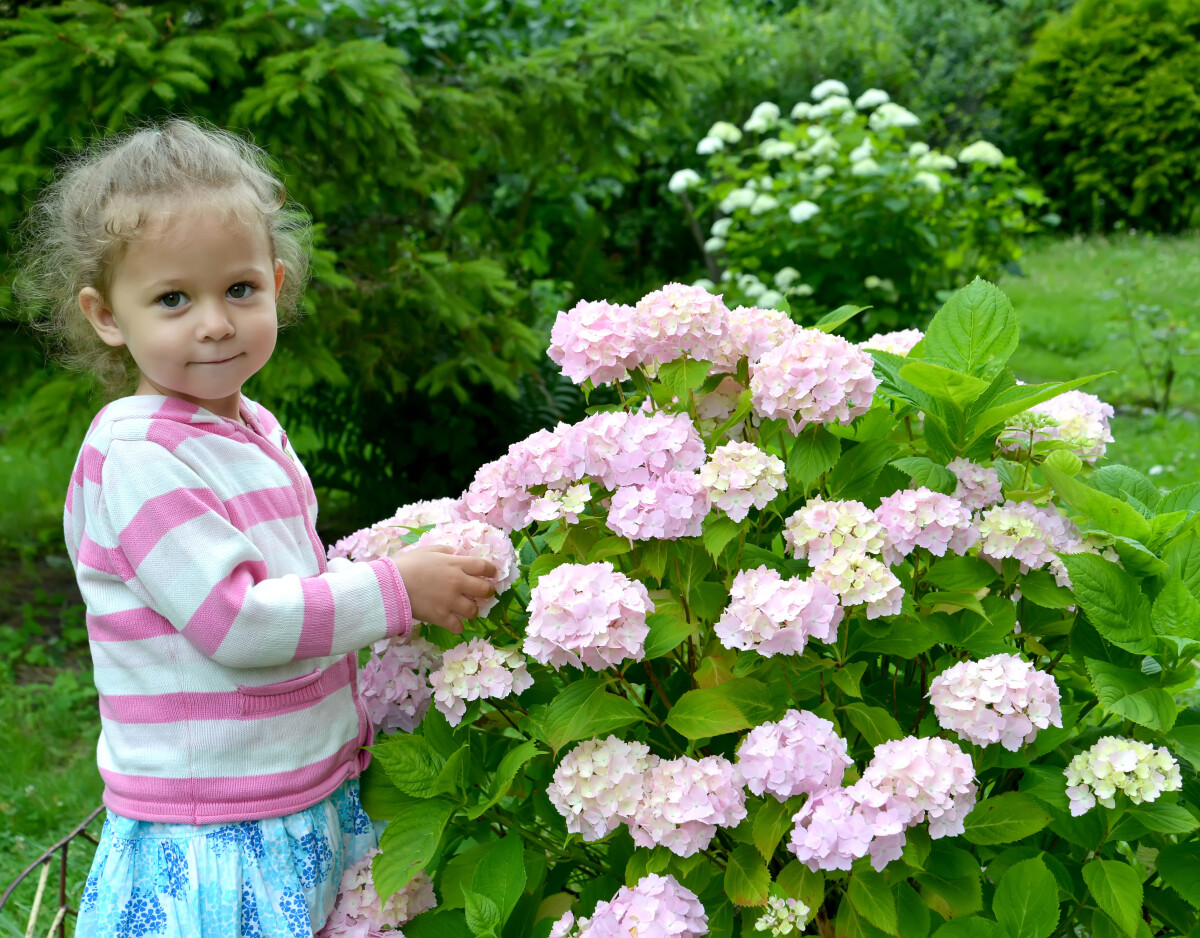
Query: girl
224, 644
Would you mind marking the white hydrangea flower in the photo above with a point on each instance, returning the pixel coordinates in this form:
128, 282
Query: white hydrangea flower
739, 475
720, 228
930, 181
981, 152
802, 289
683, 180
710, 145
872, 97
863, 150
738, 198
892, 115
918, 149
783, 917
712, 245
1115, 764
598, 785
834, 104
825, 146
802, 211
762, 118
565, 505
822, 172
751, 285
705, 284
763, 203
775, 149
936, 161
769, 298
867, 167
725, 132
827, 87
801, 111
786, 277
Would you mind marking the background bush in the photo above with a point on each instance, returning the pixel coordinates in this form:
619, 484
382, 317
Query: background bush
1105, 113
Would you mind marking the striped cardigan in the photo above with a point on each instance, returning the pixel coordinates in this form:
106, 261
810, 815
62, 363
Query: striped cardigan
223, 643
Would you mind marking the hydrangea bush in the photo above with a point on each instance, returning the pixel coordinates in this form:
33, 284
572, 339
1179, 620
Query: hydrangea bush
837, 201
828, 642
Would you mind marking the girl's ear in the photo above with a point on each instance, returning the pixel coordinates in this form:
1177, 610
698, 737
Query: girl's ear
278, 276
96, 311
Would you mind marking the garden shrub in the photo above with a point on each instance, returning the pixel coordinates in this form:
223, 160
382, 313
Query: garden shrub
804, 636
832, 204
1104, 112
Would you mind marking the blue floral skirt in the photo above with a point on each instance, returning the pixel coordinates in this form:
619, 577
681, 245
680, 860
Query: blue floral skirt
275, 878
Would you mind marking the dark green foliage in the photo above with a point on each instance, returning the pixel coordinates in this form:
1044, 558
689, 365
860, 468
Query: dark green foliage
1106, 113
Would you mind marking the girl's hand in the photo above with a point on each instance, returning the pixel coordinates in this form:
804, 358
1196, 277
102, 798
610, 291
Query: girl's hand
444, 588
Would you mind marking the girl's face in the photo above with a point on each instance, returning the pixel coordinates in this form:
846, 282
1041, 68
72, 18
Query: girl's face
193, 299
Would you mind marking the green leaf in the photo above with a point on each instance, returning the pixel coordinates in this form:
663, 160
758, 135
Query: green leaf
848, 678
411, 764
858, 467
452, 779
1108, 513
1131, 695
1183, 554
975, 330
586, 709
771, 821
683, 376
830, 321
1026, 900
971, 927
812, 453
873, 899
747, 879
482, 914
737, 704
954, 875
1040, 588
1179, 867
667, 630
961, 573
1123, 482
1176, 611
1164, 818
926, 472
944, 384
799, 882
606, 547
514, 760
380, 798
543, 565
912, 915
500, 875
1004, 818
1185, 741
1017, 400
1117, 889
1184, 498
719, 531
409, 843
874, 723
1113, 601
438, 924
744, 402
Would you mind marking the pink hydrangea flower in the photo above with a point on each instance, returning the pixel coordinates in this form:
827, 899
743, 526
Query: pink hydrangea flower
394, 682
619, 449
799, 754
1116, 764
1032, 534
752, 333
857, 578
999, 699
924, 777
1076, 417
898, 343
821, 528
657, 907
684, 801
598, 785
978, 486
680, 320
834, 828
479, 539
667, 508
359, 912
477, 670
813, 377
740, 476
385, 536
587, 614
776, 616
595, 342
923, 518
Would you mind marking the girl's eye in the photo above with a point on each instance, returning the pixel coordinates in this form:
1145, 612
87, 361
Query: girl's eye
171, 300
239, 291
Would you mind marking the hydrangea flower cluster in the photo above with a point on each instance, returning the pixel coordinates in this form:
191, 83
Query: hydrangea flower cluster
595, 342
669, 507
739, 476
925, 777
898, 343
837, 826
478, 539
564, 505
656, 906
858, 578
775, 616
360, 913
813, 377
821, 528
680, 320
783, 916
999, 699
385, 536
978, 486
1076, 418
394, 682
923, 518
477, 670
598, 785
1031, 534
799, 754
587, 614
684, 801
1115, 764
753, 331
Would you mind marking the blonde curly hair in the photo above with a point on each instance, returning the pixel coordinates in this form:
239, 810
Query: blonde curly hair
103, 199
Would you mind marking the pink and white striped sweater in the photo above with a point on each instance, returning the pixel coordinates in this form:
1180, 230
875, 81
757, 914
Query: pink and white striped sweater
223, 642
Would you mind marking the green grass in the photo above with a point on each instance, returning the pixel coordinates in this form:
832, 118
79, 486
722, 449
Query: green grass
1075, 304
48, 735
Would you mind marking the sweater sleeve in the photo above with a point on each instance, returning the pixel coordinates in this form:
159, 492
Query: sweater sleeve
166, 533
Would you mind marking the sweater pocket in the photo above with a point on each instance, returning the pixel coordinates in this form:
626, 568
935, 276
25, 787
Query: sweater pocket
291, 694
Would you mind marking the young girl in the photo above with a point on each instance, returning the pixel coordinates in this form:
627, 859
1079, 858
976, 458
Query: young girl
224, 644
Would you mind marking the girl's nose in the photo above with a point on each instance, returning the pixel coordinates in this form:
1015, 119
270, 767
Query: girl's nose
215, 322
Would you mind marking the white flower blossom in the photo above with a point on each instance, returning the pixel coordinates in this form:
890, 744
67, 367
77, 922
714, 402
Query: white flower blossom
725, 132
981, 152
710, 145
683, 180
872, 97
803, 211
827, 87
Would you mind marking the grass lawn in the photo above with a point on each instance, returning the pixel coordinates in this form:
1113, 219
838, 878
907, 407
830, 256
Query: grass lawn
1086, 305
